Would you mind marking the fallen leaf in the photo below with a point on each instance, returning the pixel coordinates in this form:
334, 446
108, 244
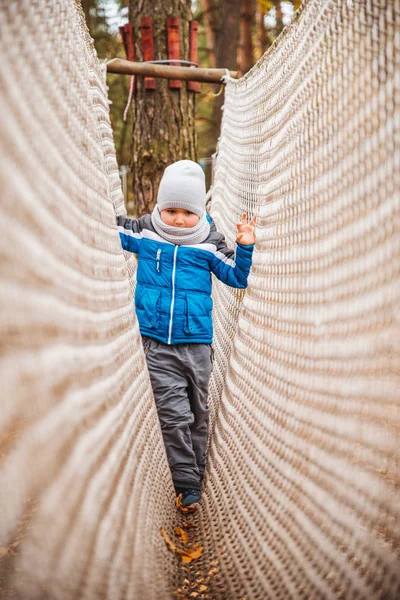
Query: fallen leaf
182, 535
186, 559
187, 554
169, 542
202, 588
194, 595
195, 551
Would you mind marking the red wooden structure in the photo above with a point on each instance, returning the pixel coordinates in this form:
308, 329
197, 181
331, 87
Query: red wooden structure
193, 86
173, 47
146, 29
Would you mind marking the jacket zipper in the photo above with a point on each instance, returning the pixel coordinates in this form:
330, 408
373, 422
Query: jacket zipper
173, 296
158, 260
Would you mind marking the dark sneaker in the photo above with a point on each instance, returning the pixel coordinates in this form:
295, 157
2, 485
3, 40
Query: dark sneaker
190, 496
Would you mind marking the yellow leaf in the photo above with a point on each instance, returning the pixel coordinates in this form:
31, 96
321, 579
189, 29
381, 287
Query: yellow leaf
187, 554
182, 535
186, 559
202, 588
265, 4
195, 552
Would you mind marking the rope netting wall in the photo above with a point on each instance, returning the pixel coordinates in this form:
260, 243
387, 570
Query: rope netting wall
303, 486
301, 495
84, 481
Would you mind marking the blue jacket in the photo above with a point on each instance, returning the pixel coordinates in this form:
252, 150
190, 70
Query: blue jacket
173, 293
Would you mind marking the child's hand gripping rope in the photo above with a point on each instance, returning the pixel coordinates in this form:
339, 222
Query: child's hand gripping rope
246, 235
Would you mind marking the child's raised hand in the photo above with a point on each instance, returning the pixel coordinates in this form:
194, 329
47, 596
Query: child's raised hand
246, 235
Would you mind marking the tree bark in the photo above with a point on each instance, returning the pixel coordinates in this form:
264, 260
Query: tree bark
211, 29
279, 15
245, 53
164, 118
227, 58
87, 5
262, 42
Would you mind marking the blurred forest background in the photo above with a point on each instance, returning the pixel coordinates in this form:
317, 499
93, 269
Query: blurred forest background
232, 34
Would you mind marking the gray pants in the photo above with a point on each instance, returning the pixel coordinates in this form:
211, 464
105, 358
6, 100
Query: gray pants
179, 377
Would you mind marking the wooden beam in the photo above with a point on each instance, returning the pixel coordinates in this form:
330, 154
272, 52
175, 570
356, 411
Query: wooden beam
193, 86
126, 67
146, 29
173, 47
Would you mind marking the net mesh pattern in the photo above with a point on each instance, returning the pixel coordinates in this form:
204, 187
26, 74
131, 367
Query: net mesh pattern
304, 460
301, 496
84, 479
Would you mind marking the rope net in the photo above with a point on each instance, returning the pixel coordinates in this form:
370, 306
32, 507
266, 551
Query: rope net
82, 460
304, 470
301, 496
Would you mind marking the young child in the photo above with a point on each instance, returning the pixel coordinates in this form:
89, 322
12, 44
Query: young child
178, 248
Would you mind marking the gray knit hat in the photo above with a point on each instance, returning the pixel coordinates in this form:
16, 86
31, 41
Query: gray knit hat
183, 186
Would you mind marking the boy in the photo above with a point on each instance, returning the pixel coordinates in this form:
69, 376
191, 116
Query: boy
178, 248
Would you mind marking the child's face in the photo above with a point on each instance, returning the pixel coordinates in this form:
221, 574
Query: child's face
179, 217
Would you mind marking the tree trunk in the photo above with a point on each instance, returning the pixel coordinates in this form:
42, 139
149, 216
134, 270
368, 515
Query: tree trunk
211, 29
245, 52
87, 5
262, 42
227, 53
279, 15
164, 118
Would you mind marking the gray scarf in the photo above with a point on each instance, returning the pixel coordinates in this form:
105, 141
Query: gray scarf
181, 235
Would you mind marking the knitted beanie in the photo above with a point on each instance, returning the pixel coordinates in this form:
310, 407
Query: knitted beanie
183, 186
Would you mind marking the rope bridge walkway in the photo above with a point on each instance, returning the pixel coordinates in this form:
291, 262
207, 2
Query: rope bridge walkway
301, 496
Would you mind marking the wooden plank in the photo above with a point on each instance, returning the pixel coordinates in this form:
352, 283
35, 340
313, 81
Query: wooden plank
130, 46
173, 46
146, 29
193, 86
